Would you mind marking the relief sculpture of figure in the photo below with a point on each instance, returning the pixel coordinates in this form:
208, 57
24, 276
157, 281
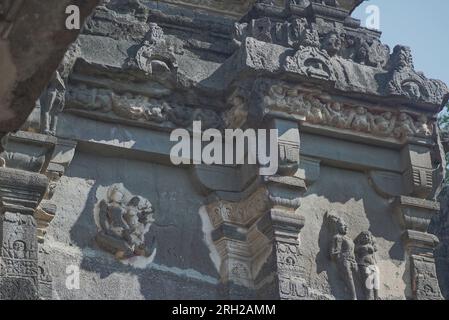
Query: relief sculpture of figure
365, 251
155, 56
315, 114
362, 120
276, 97
123, 224
405, 126
422, 126
342, 252
52, 103
384, 124
335, 115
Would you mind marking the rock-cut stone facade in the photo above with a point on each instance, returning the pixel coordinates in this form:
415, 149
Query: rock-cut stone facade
87, 185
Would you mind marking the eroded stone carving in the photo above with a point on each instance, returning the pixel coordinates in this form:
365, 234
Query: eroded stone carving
311, 62
123, 222
424, 279
323, 111
300, 32
240, 213
237, 116
154, 57
342, 252
365, 253
52, 102
332, 48
45, 279
405, 81
139, 108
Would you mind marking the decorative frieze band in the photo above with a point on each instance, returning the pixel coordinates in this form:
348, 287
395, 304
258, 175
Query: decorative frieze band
323, 111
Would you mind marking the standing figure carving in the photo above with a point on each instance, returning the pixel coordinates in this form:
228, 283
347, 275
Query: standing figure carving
342, 252
365, 252
52, 103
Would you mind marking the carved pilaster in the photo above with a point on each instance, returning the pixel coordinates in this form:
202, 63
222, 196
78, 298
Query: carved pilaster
20, 194
415, 215
33, 162
281, 277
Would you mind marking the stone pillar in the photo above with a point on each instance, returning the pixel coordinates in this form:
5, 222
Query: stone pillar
281, 277
256, 231
415, 213
34, 163
20, 194
281, 224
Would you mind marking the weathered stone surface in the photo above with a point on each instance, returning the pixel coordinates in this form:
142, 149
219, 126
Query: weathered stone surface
345, 216
33, 41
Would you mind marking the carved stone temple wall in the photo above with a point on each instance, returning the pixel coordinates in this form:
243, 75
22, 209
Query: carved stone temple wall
92, 207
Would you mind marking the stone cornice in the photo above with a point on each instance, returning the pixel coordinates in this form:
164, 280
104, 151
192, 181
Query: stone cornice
234, 8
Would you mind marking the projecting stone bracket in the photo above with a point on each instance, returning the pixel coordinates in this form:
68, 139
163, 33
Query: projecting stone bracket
250, 233
42, 154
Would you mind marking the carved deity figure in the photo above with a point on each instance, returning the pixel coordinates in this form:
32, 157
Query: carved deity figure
276, 97
422, 126
362, 120
19, 249
315, 114
52, 103
361, 56
296, 102
384, 124
124, 223
405, 126
333, 43
402, 58
335, 115
342, 252
365, 252
412, 90
311, 38
238, 114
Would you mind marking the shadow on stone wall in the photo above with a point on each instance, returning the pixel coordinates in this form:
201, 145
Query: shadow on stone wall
175, 273
339, 187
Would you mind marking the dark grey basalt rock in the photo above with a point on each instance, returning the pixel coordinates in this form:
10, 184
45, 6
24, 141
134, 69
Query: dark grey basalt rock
357, 143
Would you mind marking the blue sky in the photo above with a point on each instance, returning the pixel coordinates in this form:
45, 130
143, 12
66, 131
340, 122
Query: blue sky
422, 25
